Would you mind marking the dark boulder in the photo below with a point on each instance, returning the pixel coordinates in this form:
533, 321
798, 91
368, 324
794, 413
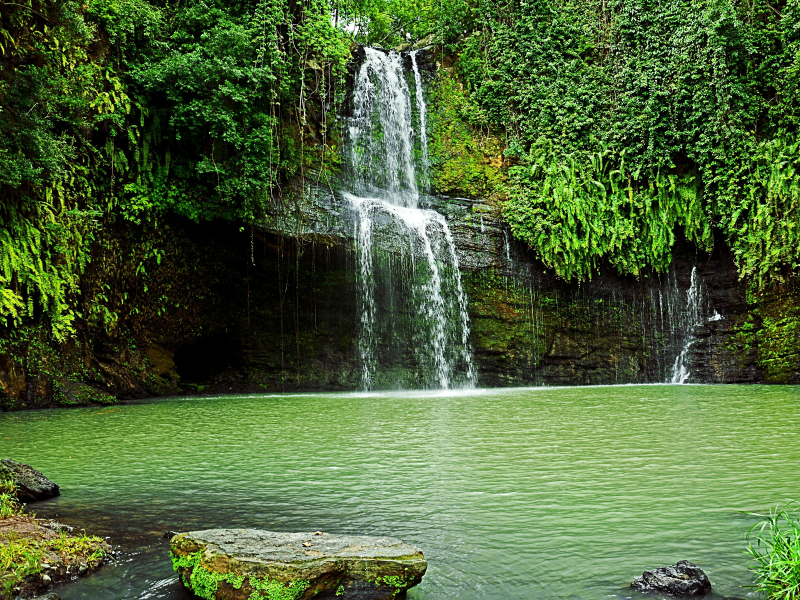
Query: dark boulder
31, 484
683, 579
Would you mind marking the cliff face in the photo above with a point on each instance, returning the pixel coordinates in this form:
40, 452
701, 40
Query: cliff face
529, 327
277, 313
285, 316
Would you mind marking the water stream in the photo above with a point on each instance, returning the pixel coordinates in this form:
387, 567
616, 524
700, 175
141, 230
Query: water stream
413, 326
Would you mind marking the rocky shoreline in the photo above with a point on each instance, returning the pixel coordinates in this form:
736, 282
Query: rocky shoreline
38, 554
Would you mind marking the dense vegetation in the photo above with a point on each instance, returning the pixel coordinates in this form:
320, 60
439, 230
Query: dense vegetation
126, 110
25, 546
635, 121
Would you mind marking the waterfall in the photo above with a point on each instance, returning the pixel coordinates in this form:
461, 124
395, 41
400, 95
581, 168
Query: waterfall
381, 147
413, 327
693, 318
422, 111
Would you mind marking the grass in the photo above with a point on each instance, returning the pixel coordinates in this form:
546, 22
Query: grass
774, 545
19, 557
22, 555
87, 547
8, 497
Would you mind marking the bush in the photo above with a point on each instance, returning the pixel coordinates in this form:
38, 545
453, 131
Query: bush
774, 544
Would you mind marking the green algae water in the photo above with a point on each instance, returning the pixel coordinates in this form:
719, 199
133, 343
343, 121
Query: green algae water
517, 493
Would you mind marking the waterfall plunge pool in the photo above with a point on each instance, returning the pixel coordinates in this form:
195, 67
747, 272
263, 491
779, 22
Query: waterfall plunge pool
511, 493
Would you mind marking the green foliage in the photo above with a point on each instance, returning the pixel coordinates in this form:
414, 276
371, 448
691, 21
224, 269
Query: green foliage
626, 123
204, 583
393, 23
223, 74
398, 584
774, 545
88, 547
52, 95
580, 208
763, 224
690, 97
264, 589
466, 160
132, 110
22, 555
8, 496
19, 558
771, 332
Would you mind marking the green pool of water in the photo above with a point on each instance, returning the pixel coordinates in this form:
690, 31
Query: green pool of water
523, 493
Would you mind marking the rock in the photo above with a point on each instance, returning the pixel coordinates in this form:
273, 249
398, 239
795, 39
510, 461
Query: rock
31, 484
170, 534
12, 377
683, 579
55, 526
239, 563
76, 393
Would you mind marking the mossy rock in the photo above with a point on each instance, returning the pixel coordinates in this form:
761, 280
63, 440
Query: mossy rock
72, 393
252, 564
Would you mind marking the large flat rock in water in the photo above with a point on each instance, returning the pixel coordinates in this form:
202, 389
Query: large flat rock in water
231, 564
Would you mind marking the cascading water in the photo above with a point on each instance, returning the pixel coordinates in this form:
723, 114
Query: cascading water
414, 325
692, 319
422, 112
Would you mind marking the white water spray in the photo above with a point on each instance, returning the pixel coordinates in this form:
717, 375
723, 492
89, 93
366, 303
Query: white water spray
381, 157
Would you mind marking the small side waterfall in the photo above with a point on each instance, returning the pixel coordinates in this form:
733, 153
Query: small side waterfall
413, 325
422, 112
692, 318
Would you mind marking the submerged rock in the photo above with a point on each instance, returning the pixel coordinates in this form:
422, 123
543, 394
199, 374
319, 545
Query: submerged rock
683, 579
250, 563
31, 484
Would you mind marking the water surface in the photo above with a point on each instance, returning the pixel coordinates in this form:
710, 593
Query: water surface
523, 493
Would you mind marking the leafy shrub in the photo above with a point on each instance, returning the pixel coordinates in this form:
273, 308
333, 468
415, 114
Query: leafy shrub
774, 545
